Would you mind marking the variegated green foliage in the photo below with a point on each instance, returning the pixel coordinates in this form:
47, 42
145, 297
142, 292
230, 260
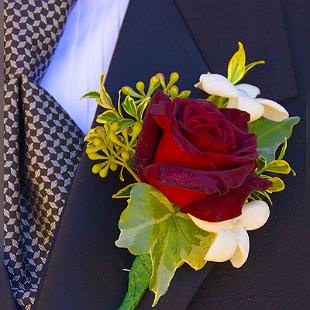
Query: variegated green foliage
274, 167
152, 225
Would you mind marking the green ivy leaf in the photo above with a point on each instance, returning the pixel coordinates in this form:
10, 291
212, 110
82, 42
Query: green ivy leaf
152, 224
270, 134
124, 192
139, 279
236, 65
130, 106
92, 94
107, 117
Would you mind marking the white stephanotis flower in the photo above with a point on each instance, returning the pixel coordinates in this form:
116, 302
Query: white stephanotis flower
232, 240
242, 97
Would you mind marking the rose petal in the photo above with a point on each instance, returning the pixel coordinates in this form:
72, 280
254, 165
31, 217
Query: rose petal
243, 246
217, 208
216, 84
151, 132
254, 215
237, 117
273, 110
223, 247
207, 129
250, 90
212, 227
207, 182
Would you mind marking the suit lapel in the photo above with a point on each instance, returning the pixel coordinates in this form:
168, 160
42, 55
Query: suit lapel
85, 256
217, 26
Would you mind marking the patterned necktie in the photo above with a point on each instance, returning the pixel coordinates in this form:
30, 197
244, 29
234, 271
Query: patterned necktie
42, 145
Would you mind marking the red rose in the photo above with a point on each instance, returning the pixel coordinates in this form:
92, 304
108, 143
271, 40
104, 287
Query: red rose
201, 157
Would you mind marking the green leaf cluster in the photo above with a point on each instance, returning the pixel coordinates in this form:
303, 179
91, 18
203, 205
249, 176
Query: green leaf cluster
152, 225
269, 170
113, 143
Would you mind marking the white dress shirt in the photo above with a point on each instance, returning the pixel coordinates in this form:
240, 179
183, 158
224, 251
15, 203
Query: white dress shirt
83, 52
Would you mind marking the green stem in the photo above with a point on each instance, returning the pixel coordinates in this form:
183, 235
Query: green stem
131, 171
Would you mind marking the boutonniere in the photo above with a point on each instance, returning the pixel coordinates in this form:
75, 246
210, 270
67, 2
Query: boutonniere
202, 170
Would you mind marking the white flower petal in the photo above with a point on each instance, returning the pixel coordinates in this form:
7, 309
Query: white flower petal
273, 110
249, 105
216, 84
198, 85
211, 226
254, 215
223, 246
232, 103
242, 252
251, 90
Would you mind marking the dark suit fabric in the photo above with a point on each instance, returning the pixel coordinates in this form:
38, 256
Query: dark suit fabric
193, 37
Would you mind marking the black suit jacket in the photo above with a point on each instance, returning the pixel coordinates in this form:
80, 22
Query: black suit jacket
192, 37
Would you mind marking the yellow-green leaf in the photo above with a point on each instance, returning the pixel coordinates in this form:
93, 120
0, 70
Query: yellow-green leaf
130, 106
107, 117
278, 166
92, 95
277, 185
253, 64
105, 99
236, 66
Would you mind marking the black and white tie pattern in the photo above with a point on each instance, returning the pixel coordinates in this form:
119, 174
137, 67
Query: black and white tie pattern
42, 145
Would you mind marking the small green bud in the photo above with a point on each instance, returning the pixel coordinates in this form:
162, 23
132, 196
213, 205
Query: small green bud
103, 172
113, 137
125, 155
96, 168
91, 150
154, 84
128, 91
161, 78
154, 80
113, 166
137, 128
174, 77
95, 156
184, 94
97, 142
140, 87
174, 90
